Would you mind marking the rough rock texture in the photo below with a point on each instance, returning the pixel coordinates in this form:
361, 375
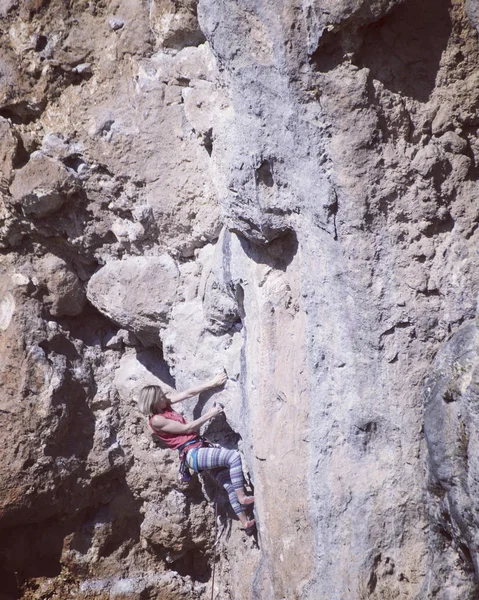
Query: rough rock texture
287, 190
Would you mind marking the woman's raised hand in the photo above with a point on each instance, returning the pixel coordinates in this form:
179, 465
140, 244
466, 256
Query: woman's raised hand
219, 379
215, 410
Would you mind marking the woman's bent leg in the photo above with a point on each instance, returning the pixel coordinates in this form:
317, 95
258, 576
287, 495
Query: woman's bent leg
212, 458
222, 476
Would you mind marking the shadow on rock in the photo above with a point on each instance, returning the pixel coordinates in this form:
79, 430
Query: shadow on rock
73, 435
403, 50
152, 359
277, 254
451, 424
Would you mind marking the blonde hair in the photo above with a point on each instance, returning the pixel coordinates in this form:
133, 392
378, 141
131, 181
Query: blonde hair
149, 395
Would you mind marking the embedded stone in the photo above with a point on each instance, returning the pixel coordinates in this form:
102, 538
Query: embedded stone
66, 294
42, 186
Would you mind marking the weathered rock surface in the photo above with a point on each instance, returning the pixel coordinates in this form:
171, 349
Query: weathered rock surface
286, 190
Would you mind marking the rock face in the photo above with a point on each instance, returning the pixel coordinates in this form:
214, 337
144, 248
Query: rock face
287, 190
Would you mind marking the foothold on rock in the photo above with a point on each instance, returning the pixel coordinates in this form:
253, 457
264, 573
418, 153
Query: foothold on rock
113, 342
127, 337
442, 120
55, 146
20, 280
116, 24
82, 69
127, 232
431, 161
120, 339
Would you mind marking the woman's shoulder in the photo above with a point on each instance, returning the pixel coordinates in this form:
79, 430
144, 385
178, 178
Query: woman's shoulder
158, 418
166, 415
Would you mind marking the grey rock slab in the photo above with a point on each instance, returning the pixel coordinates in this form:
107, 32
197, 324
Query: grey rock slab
452, 142
220, 306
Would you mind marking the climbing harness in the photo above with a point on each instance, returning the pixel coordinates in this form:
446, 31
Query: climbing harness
191, 464
184, 472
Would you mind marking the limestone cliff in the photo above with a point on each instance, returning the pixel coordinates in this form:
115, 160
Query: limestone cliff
284, 189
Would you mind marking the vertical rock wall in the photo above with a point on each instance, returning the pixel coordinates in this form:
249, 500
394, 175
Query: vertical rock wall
284, 189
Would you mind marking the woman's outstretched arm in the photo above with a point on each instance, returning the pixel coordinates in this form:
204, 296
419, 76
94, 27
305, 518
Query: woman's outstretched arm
218, 380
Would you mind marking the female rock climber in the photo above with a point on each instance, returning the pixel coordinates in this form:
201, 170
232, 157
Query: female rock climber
173, 430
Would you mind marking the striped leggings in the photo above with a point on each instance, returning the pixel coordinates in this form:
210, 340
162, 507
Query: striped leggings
230, 477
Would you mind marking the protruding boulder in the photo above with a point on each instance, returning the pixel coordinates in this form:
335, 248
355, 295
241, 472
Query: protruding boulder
442, 120
121, 338
452, 142
137, 293
428, 160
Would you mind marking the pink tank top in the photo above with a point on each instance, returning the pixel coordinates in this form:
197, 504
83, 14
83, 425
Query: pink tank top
173, 440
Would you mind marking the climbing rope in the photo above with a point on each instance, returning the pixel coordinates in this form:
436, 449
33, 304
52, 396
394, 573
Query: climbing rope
214, 550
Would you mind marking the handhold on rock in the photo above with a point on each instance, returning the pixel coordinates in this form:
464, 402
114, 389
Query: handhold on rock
116, 24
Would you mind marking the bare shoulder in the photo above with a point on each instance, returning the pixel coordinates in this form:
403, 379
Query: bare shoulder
158, 422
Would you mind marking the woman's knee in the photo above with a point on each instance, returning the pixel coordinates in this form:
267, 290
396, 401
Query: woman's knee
235, 454
234, 457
